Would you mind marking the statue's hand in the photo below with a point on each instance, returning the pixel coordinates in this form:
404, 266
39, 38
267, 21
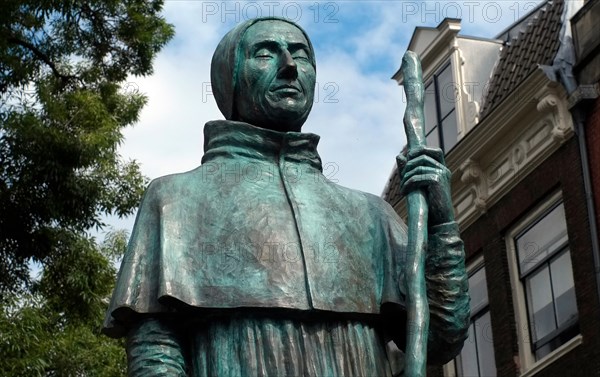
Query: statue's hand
424, 168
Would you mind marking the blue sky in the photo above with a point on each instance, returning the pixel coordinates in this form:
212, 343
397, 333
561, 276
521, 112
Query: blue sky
358, 109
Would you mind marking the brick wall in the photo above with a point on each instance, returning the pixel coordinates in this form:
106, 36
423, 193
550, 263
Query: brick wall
562, 170
592, 130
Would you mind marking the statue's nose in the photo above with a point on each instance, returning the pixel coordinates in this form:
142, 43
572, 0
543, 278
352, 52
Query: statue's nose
287, 66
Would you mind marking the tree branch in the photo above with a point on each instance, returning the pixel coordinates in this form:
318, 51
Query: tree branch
41, 56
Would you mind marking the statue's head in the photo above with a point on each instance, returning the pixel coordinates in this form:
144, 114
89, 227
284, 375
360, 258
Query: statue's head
263, 72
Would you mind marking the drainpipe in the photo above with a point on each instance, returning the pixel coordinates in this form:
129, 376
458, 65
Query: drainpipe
562, 71
579, 114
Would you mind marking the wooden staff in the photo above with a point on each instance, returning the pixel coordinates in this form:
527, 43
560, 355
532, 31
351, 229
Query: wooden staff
417, 325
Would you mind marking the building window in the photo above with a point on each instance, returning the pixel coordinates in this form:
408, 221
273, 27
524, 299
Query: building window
440, 111
477, 355
540, 267
546, 273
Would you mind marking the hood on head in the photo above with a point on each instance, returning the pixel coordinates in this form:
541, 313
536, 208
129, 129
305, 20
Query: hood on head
224, 64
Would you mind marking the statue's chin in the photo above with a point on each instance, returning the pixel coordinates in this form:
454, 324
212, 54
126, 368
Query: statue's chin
285, 115
277, 113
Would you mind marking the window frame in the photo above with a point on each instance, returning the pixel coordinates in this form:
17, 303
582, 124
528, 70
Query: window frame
451, 368
437, 96
528, 363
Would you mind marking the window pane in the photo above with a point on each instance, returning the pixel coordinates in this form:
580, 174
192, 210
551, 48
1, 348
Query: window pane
433, 139
446, 91
563, 287
547, 275
543, 351
485, 345
466, 363
430, 110
478, 291
477, 355
544, 238
541, 308
450, 131
558, 341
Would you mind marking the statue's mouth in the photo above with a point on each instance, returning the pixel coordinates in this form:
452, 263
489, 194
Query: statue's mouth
287, 88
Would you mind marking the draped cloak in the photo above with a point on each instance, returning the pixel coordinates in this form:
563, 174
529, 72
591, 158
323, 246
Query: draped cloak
255, 263
259, 225
258, 228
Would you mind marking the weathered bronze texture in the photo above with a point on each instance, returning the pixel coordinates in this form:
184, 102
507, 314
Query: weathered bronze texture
416, 291
255, 264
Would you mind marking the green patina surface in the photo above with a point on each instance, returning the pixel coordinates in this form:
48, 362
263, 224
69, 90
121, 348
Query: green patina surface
255, 263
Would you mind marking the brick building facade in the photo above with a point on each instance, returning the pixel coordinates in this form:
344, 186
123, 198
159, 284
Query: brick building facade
523, 176
592, 130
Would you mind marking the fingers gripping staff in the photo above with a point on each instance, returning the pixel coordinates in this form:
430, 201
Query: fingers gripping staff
416, 301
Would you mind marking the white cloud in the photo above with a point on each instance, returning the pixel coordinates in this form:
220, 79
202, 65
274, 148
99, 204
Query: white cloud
168, 138
356, 55
362, 132
356, 131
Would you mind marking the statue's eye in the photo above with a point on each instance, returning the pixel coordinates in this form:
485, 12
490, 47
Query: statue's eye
300, 55
263, 53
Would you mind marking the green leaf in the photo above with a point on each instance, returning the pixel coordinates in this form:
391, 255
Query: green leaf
64, 103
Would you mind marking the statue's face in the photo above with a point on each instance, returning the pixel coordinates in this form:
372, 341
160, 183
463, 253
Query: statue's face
276, 80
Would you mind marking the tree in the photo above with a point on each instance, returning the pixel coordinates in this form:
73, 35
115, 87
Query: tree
64, 102
63, 105
54, 330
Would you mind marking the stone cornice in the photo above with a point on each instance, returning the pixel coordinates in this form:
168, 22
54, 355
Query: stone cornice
507, 145
438, 50
496, 122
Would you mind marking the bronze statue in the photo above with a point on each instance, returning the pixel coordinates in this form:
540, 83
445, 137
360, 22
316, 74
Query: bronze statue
255, 264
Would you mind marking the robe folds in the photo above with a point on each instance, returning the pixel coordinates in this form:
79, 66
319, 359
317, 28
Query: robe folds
258, 249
